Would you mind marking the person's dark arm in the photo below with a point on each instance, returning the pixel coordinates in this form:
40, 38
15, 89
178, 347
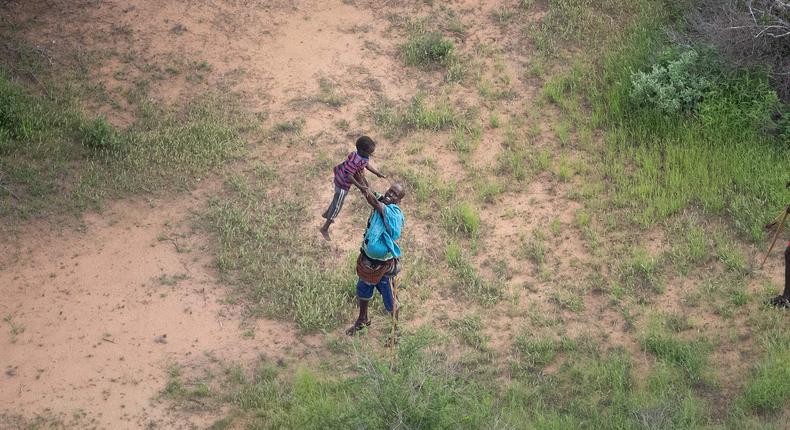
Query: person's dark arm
374, 171
377, 206
362, 185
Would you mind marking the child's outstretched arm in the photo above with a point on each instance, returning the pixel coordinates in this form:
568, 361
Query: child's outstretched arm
359, 181
374, 171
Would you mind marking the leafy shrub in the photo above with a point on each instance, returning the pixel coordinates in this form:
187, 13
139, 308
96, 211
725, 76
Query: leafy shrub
671, 87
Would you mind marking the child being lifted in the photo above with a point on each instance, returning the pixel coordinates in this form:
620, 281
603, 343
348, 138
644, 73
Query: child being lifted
346, 174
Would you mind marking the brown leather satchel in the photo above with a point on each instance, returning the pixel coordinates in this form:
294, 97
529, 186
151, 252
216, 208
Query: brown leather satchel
371, 271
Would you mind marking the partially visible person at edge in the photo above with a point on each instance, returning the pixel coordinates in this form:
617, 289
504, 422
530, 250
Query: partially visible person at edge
378, 260
349, 172
783, 300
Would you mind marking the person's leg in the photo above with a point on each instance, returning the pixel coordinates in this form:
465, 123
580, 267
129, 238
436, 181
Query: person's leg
364, 294
385, 289
783, 300
333, 210
389, 296
786, 292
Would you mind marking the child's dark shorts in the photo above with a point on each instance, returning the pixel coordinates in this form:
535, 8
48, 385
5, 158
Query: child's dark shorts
337, 204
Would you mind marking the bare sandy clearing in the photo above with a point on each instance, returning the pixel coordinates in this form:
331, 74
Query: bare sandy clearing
95, 316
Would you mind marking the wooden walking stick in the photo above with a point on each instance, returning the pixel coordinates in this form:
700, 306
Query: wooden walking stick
776, 235
394, 290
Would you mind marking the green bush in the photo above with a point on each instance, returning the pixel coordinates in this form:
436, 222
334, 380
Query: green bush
672, 86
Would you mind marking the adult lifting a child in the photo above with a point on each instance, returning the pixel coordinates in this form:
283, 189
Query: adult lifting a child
378, 261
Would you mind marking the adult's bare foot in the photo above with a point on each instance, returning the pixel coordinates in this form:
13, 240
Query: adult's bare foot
358, 325
780, 301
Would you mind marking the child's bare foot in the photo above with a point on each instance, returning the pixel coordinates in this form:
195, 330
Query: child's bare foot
325, 233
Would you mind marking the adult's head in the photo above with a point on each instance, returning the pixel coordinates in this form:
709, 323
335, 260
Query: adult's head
365, 146
394, 194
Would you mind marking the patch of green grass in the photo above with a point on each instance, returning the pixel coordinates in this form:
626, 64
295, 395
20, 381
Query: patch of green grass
555, 227
327, 95
678, 322
640, 273
462, 218
514, 160
431, 193
581, 22
536, 352
293, 126
565, 169
398, 121
501, 15
465, 139
730, 255
493, 120
275, 272
726, 293
99, 135
55, 159
467, 281
430, 50
535, 249
489, 190
768, 389
568, 299
689, 244
415, 388
563, 131
427, 50
720, 159
689, 356
469, 329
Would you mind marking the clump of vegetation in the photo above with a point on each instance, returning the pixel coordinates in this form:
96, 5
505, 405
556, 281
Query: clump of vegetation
99, 135
768, 390
689, 356
536, 352
430, 50
674, 157
398, 121
427, 50
641, 274
672, 86
462, 218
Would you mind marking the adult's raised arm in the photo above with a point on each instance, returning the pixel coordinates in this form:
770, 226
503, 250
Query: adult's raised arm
376, 205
